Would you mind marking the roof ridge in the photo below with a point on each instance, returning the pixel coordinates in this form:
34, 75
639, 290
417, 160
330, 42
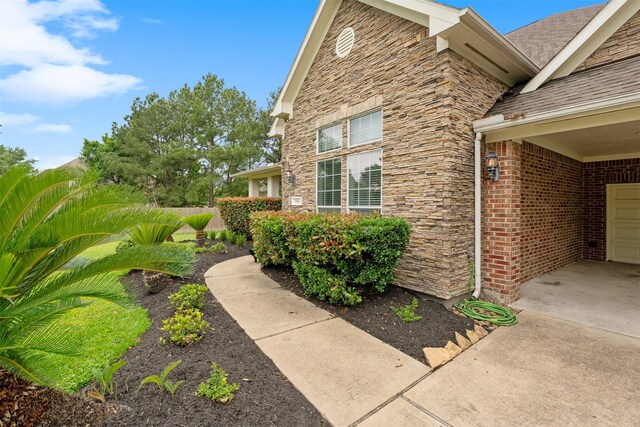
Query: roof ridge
555, 14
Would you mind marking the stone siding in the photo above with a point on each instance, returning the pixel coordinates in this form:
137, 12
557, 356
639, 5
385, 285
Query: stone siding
428, 101
624, 43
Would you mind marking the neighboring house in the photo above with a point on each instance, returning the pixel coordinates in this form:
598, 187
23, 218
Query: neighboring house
264, 179
394, 106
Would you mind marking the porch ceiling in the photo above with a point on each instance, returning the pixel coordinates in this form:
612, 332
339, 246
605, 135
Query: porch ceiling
609, 142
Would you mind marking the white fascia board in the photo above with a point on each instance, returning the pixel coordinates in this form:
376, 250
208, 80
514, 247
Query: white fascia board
282, 110
277, 128
609, 111
602, 26
306, 54
476, 23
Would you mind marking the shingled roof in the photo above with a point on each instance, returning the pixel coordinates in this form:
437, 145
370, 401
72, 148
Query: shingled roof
543, 39
608, 81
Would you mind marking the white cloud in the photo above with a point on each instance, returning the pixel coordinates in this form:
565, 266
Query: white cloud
64, 83
50, 61
151, 21
50, 162
10, 120
52, 128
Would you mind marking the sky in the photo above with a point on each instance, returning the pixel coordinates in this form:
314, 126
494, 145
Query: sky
70, 68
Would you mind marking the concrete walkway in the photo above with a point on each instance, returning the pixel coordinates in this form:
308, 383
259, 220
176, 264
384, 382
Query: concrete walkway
343, 371
543, 371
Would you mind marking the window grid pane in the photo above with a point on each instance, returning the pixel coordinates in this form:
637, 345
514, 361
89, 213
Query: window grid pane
330, 138
365, 128
365, 180
329, 183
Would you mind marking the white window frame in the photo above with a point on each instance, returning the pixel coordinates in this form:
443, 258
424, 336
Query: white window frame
318, 207
356, 208
318, 138
366, 113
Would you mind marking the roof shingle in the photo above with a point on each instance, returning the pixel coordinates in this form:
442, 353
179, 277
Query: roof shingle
608, 81
543, 39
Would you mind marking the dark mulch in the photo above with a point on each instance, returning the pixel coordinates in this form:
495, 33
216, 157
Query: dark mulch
24, 404
373, 315
265, 396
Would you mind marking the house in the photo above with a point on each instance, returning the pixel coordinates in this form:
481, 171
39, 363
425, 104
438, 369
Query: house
264, 180
520, 152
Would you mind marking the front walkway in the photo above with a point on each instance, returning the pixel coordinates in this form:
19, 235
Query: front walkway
605, 295
543, 371
343, 371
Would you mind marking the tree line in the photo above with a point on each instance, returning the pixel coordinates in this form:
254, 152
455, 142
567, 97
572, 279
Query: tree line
182, 149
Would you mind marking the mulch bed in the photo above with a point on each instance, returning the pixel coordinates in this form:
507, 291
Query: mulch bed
265, 397
373, 315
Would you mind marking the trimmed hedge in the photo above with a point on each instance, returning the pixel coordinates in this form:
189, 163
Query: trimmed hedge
235, 211
335, 256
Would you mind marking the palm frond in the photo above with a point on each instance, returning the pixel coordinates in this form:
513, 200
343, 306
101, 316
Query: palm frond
198, 221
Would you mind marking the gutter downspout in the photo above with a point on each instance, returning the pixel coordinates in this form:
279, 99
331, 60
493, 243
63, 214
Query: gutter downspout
477, 215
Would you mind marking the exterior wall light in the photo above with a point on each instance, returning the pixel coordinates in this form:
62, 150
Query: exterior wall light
493, 166
288, 174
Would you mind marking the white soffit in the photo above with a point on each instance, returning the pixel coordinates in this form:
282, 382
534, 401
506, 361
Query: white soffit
602, 26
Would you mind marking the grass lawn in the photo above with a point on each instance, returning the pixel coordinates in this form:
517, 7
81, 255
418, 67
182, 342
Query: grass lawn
107, 330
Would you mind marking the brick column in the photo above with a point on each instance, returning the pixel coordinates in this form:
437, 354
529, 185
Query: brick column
501, 225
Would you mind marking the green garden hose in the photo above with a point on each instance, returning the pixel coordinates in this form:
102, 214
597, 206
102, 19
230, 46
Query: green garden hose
482, 310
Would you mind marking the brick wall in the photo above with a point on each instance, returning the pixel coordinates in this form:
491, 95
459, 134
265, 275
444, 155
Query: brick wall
551, 211
624, 43
596, 176
532, 217
429, 101
501, 233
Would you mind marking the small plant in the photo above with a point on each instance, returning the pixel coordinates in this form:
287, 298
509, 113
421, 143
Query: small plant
216, 387
218, 248
189, 296
222, 235
198, 222
408, 312
161, 380
185, 327
231, 237
212, 235
104, 378
162, 340
240, 240
200, 250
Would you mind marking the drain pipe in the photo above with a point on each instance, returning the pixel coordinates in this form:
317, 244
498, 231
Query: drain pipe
477, 215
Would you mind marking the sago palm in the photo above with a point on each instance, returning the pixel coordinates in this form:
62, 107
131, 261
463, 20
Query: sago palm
198, 222
156, 234
46, 221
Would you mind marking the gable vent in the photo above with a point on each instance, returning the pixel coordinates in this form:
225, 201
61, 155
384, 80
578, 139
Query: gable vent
345, 42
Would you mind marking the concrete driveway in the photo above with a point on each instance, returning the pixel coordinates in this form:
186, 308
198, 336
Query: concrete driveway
543, 371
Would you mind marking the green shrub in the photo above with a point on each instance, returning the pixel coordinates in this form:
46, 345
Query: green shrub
212, 235
222, 235
104, 378
269, 241
332, 255
235, 211
216, 387
407, 313
240, 240
185, 327
189, 296
218, 248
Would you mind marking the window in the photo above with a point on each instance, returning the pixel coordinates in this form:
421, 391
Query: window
330, 138
329, 185
365, 129
365, 182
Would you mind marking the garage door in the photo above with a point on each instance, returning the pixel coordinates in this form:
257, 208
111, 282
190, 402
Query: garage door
623, 223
